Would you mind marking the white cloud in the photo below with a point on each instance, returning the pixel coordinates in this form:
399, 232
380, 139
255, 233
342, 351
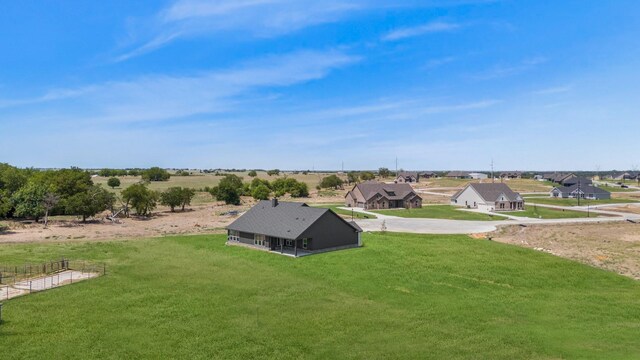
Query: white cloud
553, 90
167, 97
262, 18
433, 27
500, 71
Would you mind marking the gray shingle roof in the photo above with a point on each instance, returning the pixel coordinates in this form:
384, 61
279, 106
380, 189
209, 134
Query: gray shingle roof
491, 191
587, 189
287, 220
458, 174
391, 191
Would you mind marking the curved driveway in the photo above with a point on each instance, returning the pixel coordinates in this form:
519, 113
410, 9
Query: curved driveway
440, 226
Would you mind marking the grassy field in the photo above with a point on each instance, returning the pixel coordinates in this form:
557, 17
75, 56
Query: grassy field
200, 181
439, 212
533, 211
401, 296
574, 202
334, 207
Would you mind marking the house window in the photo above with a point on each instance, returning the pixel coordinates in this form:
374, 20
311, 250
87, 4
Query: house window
289, 242
305, 243
259, 239
233, 235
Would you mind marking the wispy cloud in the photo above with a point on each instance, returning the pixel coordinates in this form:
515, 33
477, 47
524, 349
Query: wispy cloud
434, 63
430, 28
262, 18
553, 90
500, 71
159, 97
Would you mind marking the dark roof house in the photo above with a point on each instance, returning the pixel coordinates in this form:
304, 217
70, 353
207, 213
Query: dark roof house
293, 228
459, 175
376, 195
580, 191
407, 177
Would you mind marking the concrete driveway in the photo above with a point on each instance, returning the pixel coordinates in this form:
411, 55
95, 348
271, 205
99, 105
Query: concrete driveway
440, 226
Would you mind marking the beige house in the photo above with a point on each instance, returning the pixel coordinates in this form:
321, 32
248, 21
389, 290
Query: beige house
375, 195
488, 197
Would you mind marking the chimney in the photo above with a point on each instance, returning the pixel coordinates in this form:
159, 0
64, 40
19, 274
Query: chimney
274, 202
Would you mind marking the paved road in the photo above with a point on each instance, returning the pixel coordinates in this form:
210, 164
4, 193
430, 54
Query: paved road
439, 226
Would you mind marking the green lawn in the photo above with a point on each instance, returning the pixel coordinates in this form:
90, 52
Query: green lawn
334, 207
533, 211
401, 296
574, 202
617, 189
439, 212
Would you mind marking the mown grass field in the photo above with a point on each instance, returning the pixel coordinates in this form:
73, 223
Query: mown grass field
347, 213
439, 212
400, 296
574, 202
617, 189
533, 211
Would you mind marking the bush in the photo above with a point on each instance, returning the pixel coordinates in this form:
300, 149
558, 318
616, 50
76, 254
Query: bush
253, 173
113, 182
331, 181
229, 190
260, 192
367, 175
273, 172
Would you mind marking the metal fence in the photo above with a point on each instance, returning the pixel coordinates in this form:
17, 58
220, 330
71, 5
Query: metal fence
25, 279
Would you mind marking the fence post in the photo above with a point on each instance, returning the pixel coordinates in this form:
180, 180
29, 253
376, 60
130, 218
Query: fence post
29, 286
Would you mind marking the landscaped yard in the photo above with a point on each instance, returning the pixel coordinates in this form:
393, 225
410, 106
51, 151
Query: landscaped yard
574, 202
400, 296
617, 189
439, 212
533, 211
346, 213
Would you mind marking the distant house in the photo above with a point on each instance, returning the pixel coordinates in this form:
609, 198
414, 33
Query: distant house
538, 177
575, 180
488, 197
407, 177
619, 175
511, 175
427, 175
581, 191
558, 177
478, 176
375, 195
293, 228
458, 175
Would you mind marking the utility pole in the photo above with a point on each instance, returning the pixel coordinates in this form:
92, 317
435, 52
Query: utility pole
492, 178
396, 166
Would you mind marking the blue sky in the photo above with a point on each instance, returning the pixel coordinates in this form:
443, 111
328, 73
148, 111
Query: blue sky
548, 85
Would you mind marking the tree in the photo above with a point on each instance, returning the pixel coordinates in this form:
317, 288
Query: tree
177, 196
89, 203
28, 201
367, 175
229, 190
253, 173
331, 181
352, 177
140, 198
273, 172
49, 202
155, 174
384, 172
261, 192
113, 182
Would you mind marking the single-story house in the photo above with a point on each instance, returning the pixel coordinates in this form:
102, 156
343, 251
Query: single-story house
478, 176
427, 175
581, 191
407, 177
574, 180
511, 175
538, 177
293, 228
558, 177
458, 175
619, 175
488, 197
376, 195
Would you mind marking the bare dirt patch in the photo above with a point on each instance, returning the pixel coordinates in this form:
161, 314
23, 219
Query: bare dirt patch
610, 246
